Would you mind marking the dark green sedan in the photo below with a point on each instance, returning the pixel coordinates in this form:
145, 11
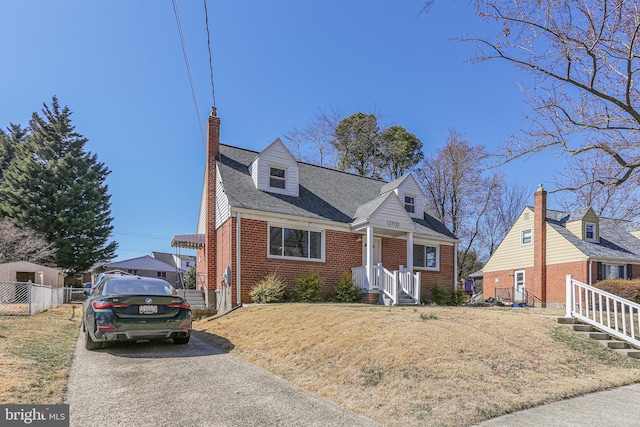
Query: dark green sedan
132, 308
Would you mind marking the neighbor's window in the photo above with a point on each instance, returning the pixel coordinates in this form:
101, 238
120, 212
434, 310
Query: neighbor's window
590, 231
410, 204
295, 243
425, 256
162, 274
135, 272
525, 237
277, 178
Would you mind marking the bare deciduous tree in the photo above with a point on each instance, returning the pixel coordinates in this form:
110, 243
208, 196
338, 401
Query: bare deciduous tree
462, 194
583, 57
312, 143
620, 201
21, 244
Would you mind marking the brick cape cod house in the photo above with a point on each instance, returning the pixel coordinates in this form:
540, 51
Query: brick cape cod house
265, 212
545, 245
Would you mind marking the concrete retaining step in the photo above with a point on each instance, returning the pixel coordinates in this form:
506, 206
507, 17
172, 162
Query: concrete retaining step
603, 338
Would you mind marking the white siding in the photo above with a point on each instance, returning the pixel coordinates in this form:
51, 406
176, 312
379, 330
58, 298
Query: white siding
222, 202
511, 253
392, 215
276, 155
411, 188
202, 215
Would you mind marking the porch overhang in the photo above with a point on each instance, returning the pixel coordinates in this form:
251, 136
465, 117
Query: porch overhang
188, 241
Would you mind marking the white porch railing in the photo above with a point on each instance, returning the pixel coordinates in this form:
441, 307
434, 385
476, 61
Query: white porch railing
389, 282
610, 313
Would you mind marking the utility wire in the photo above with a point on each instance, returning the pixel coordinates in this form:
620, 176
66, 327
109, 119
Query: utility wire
186, 61
206, 21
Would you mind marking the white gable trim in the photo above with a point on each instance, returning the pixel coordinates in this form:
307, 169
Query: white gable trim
389, 215
276, 155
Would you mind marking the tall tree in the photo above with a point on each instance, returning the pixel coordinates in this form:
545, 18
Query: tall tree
313, 142
356, 140
583, 58
56, 188
8, 144
463, 194
401, 151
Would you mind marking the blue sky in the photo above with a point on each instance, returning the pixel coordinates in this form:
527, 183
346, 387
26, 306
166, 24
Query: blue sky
118, 65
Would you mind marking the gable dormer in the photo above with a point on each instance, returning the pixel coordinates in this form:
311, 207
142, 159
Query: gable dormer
410, 194
585, 225
275, 170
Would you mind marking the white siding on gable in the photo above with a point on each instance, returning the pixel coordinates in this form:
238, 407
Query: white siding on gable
202, 215
222, 202
511, 253
411, 188
278, 156
392, 215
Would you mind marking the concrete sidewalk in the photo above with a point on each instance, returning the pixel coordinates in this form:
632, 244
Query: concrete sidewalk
619, 407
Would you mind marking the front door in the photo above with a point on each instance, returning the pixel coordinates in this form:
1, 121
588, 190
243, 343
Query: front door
377, 251
519, 285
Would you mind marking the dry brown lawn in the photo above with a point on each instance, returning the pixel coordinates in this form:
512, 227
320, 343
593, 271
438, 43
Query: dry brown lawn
438, 366
35, 355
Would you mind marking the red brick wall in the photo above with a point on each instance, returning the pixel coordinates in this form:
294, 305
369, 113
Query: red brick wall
343, 252
555, 279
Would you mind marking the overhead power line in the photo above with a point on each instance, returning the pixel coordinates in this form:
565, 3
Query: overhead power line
206, 22
186, 61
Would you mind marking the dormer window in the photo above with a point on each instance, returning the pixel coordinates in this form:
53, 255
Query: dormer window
590, 231
277, 178
410, 204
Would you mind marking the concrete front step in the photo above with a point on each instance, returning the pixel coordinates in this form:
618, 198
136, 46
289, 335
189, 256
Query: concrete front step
603, 338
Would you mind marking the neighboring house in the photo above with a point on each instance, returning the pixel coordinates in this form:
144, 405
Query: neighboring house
183, 262
267, 213
23, 271
145, 266
544, 245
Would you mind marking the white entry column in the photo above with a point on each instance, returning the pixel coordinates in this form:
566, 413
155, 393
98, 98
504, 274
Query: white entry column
370, 256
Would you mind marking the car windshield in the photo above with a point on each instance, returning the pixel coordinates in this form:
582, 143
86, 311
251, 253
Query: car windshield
137, 287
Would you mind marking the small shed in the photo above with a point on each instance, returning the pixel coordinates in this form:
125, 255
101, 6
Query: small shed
23, 271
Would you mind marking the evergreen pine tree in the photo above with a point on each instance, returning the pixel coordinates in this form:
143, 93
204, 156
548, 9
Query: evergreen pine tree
56, 188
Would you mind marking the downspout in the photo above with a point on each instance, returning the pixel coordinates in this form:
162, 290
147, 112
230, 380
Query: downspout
590, 271
238, 246
455, 267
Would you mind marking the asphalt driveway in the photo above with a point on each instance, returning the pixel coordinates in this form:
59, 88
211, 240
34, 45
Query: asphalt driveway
159, 383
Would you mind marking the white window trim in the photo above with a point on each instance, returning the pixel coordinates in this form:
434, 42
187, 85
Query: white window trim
592, 239
522, 243
296, 227
433, 245
285, 179
414, 203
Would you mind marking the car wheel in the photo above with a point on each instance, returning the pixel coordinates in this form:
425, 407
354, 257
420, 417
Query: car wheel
183, 340
90, 344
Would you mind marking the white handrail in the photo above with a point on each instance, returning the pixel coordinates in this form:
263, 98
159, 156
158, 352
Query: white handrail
608, 312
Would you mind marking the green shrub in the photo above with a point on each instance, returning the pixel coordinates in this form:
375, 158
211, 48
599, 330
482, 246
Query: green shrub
268, 290
308, 287
346, 290
439, 296
627, 289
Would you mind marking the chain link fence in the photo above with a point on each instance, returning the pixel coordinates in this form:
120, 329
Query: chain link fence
20, 298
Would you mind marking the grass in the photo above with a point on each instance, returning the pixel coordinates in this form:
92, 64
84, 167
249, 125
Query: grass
36, 354
437, 366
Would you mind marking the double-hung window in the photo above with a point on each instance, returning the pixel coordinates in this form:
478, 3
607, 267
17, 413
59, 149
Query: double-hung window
590, 231
277, 178
295, 243
426, 256
526, 237
410, 204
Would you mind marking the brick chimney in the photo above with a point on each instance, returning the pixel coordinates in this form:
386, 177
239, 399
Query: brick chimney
211, 241
540, 244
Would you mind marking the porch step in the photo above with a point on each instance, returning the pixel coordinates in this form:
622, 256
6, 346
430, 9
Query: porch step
603, 338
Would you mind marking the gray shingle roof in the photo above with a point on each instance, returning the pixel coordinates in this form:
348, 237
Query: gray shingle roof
616, 241
325, 194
